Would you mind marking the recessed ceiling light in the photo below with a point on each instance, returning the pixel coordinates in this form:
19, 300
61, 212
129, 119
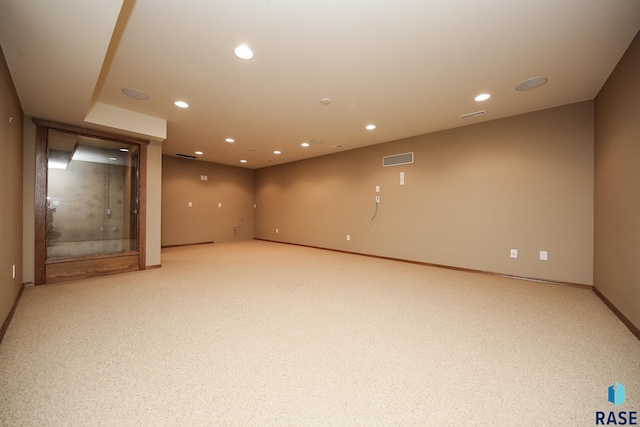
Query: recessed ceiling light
124, 150
229, 140
243, 52
135, 94
532, 83
277, 152
482, 97
305, 144
112, 158
181, 104
370, 127
325, 101
199, 152
243, 161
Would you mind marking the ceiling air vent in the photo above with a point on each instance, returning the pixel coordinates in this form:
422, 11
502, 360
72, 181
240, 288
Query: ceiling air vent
397, 159
474, 114
185, 156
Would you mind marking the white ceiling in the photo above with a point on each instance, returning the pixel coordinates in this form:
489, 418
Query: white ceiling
409, 66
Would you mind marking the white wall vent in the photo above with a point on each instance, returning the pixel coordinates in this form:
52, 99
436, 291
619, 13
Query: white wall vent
397, 159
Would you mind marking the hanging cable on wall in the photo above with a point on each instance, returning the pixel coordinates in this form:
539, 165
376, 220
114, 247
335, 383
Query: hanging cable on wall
376, 211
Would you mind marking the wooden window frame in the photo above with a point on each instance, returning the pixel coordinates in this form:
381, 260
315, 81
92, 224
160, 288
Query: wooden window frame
95, 265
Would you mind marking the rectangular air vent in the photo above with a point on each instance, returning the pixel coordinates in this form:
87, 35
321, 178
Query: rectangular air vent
185, 156
474, 114
397, 159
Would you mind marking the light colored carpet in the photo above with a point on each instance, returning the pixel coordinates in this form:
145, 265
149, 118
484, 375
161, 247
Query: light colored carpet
258, 333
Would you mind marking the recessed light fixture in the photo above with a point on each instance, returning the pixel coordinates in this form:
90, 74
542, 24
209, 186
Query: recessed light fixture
243, 52
304, 144
135, 94
112, 158
482, 97
181, 104
532, 83
199, 153
277, 152
325, 101
229, 140
124, 150
243, 161
370, 127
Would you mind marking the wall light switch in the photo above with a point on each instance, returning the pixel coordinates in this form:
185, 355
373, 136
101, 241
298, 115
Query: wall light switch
277, 231
348, 236
190, 204
401, 178
254, 206
377, 188
514, 253
14, 271
219, 205
543, 255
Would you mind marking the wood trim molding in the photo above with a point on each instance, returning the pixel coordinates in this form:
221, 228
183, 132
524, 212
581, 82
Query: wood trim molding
7, 321
633, 328
188, 244
41, 205
447, 267
44, 266
153, 267
88, 132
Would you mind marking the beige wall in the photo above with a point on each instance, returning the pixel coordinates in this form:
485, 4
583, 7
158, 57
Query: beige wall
10, 191
205, 221
473, 193
154, 202
617, 194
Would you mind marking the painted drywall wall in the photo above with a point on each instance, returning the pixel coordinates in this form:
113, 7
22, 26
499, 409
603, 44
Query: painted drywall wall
11, 118
617, 179
154, 203
472, 194
221, 207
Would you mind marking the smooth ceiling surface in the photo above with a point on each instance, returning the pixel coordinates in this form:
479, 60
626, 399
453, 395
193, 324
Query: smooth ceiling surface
410, 67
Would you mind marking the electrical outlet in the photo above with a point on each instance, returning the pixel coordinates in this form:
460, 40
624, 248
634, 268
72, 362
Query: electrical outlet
348, 236
277, 231
543, 255
514, 253
377, 199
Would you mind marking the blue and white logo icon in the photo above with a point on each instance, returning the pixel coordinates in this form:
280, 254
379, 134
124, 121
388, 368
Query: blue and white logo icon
616, 394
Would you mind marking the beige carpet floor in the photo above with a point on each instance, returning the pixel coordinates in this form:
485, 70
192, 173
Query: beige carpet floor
258, 333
